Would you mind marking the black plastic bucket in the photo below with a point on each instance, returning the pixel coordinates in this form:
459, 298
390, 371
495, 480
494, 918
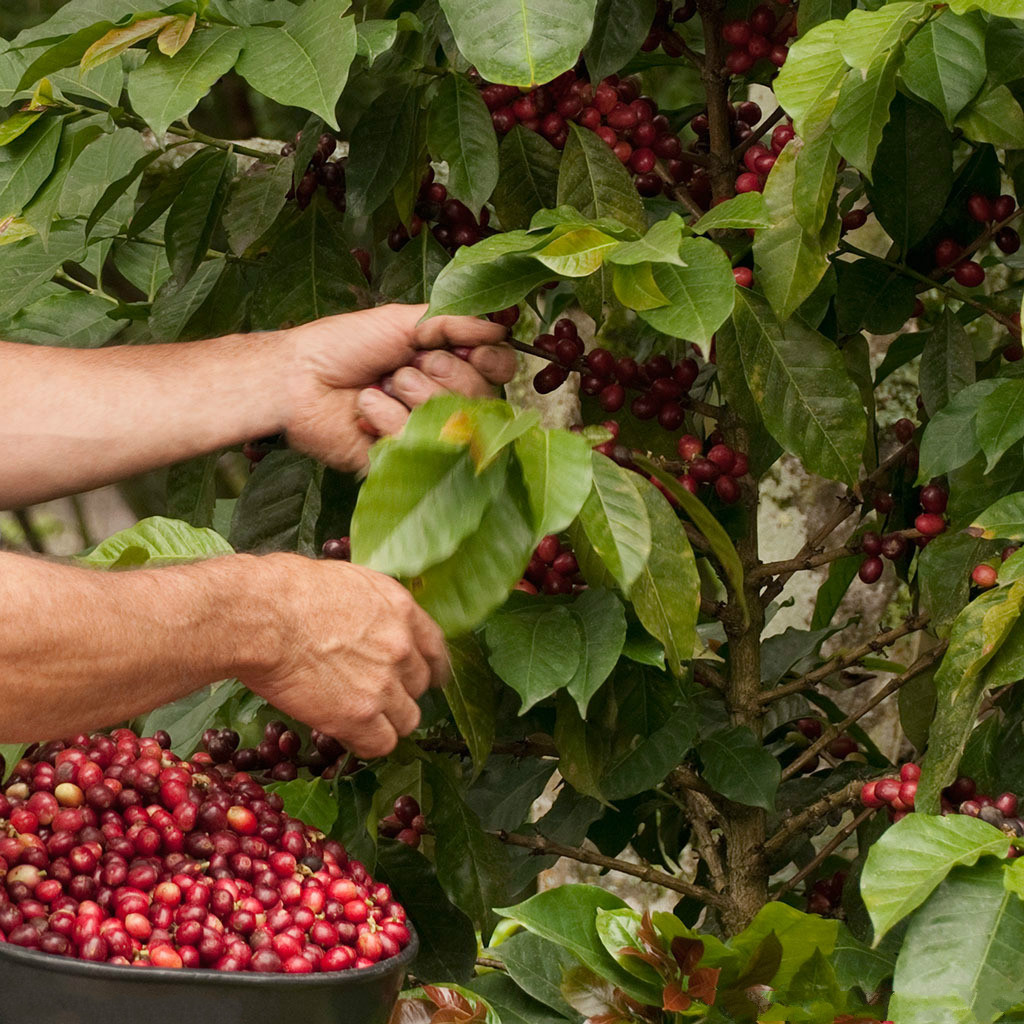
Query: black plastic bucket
36, 988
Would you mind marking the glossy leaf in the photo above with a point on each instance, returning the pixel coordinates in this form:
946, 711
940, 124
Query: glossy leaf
156, 541
309, 800
196, 214
558, 473
509, 1001
192, 490
862, 111
26, 163
867, 35
410, 275
738, 767
576, 253
739, 213
995, 117
950, 438
68, 319
635, 287
808, 84
945, 63
1000, 420
601, 622
167, 88
947, 363
255, 202
472, 697
305, 62
1002, 521
814, 185
620, 26
537, 965
176, 35
527, 177
521, 42
459, 131
872, 296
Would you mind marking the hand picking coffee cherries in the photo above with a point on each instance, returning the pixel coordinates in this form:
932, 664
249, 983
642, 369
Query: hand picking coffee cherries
113, 850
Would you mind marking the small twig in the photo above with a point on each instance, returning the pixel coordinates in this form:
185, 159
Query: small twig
82, 287
683, 777
80, 521
983, 239
706, 674
541, 847
843, 661
759, 132
701, 811
824, 853
798, 823
712, 609
790, 565
494, 965
832, 731
679, 191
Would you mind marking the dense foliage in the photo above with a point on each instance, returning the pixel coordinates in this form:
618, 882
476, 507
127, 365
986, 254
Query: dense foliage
730, 228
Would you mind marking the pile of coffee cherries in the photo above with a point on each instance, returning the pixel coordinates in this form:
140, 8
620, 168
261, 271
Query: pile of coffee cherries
321, 171
450, 221
929, 523
113, 850
962, 797
406, 822
552, 570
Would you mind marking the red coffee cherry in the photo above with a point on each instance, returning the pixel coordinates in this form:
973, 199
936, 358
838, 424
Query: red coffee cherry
871, 569
933, 498
969, 274
984, 576
871, 543
1003, 207
930, 524
947, 251
980, 208
1007, 240
743, 276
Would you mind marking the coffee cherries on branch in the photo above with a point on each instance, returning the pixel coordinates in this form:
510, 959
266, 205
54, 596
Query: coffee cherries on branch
450, 221
321, 171
406, 822
553, 569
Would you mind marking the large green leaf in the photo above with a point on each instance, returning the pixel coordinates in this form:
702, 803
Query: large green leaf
64, 320
156, 541
1000, 420
950, 438
996, 117
945, 63
866, 35
26, 163
601, 622
166, 88
192, 490
615, 523
459, 131
912, 857
420, 502
814, 186
594, 182
1002, 521
666, 594
511, 1003
863, 111
26, 266
472, 696
801, 387
410, 274
527, 177
915, 137
533, 649
700, 294
872, 296
947, 363
537, 966
309, 800
738, 767
175, 305
963, 954
789, 261
944, 576
471, 865
558, 473
576, 253
746, 210
808, 84
620, 26
256, 200
196, 213
521, 42
305, 62
582, 749
467, 285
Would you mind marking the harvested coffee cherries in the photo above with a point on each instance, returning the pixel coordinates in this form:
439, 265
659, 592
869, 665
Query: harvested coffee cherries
113, 850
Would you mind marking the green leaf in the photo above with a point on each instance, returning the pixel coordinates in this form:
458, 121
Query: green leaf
558, 474
700, 294
255, 202
659, 245
863, 111
615, 522
175, 305
620, 26
943, 572
945, 63
64, 320
410, 274
994, 117
801, 387
817, 11
192, 490
789, 262
567, 916
635, 288
470, 285
447, 941
471, 865
815, 182
738, 767
872, 296
739, 213
511, 1004
1000, 420
947, 363
666, 594
167, 88
62, 54
963, 954
309, 272
595, 184
196, 213
857, 964
26, 163
17, 124
808, 84
601, 622
406, 517
1002, 521
910, 859
841, 573
950, 439
459, 131
118, 188
533, 649
309, 800
188, 718
375, 37
520, 42
537, 965
582, 749
867, 35
305, 62
915, 137
527, 177
27, 265
472, 697
576, 253
156, 541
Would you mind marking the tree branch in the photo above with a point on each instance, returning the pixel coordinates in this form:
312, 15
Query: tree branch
832, 731
541, 847
842, 661
791, 565
759, 132
798, 823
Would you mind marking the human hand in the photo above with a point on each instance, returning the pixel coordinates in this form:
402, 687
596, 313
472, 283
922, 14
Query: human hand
352, 652
335, 363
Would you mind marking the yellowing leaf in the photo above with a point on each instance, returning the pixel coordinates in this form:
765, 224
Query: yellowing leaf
117, 40
176, 35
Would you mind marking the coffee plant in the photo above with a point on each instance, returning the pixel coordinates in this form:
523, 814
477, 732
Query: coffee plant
730, 240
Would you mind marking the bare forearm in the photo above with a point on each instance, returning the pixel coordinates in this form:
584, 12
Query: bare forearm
81, 649
73, 420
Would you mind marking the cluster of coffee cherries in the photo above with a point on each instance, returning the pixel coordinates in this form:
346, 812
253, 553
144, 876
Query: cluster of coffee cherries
986, 575
762, 36
759, 159
948, 251
321, 171
552, 569
280, 754
662, 34
825, 897
406, 822
713, 463
898, 793
113, 850
450, 221
929, 523
613, 109
839, 748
